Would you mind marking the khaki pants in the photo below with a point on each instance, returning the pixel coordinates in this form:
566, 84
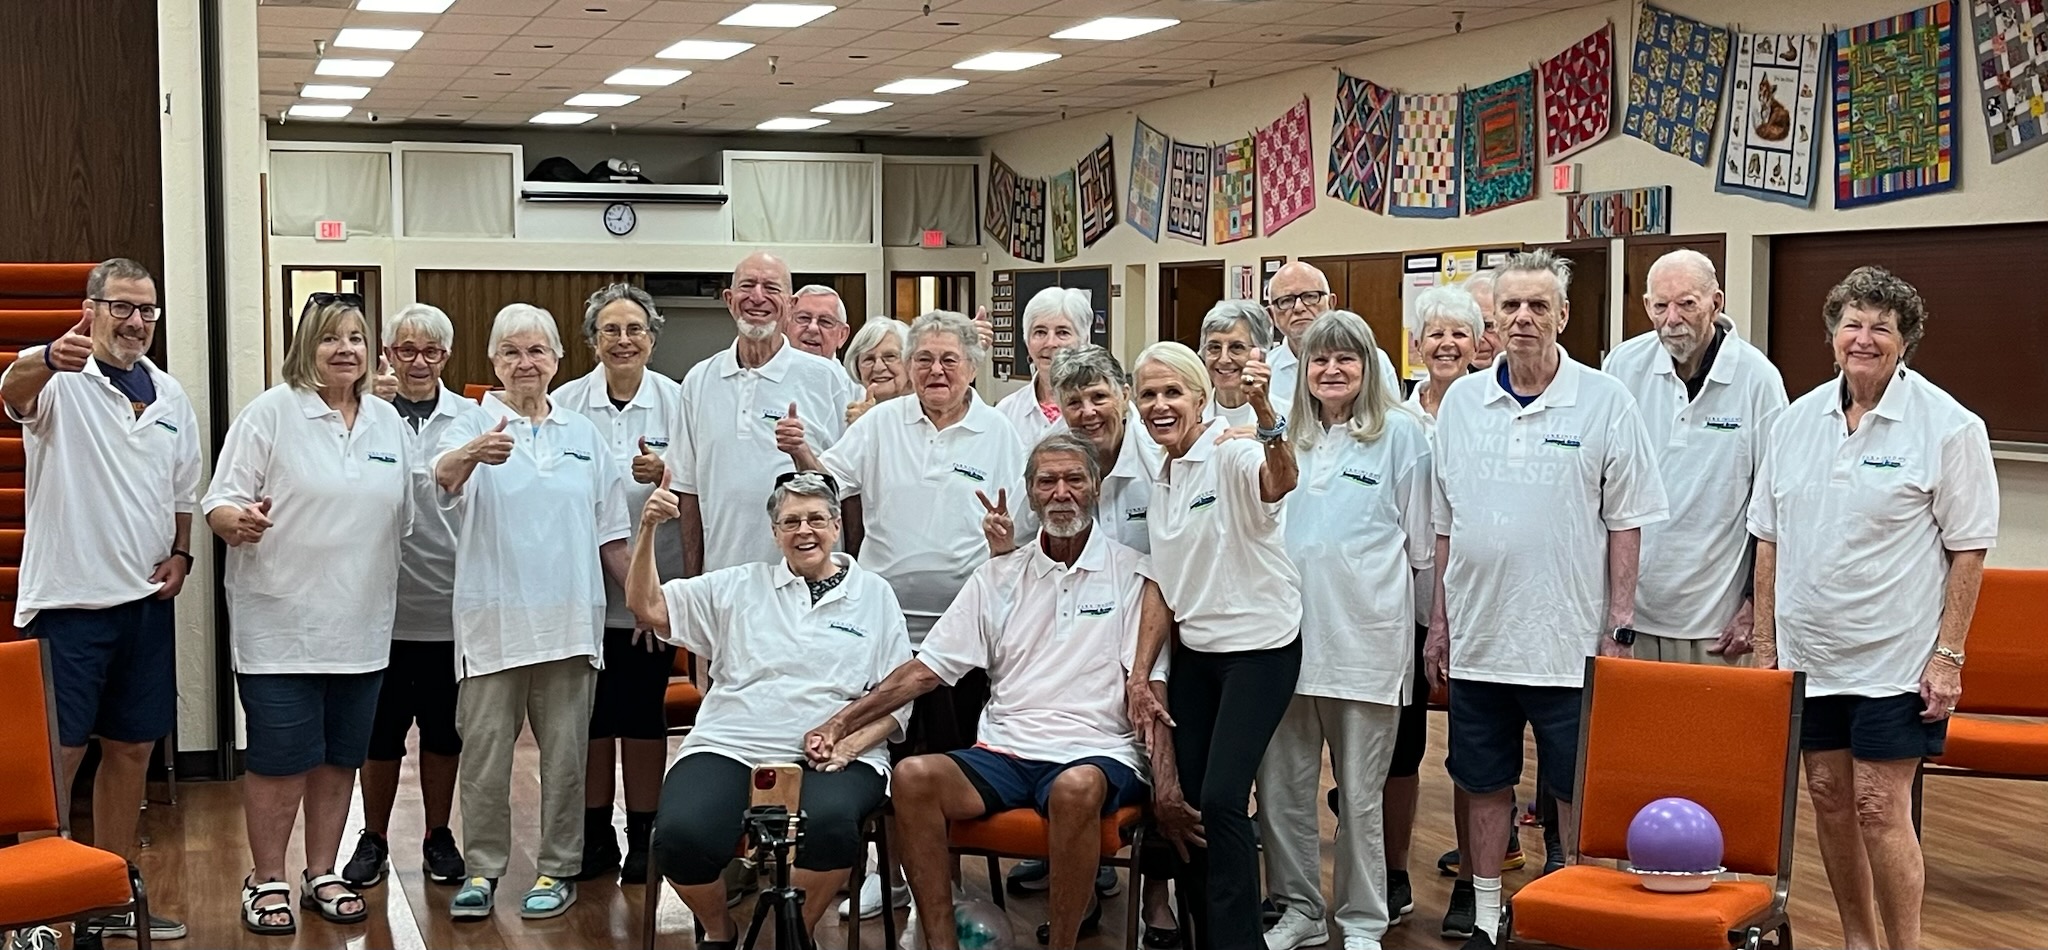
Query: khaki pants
489, 710
1673, 650
1360, 737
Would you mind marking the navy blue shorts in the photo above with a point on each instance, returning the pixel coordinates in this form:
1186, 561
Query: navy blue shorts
1486, 735
114, 671
1872, 728
419, 686
300, 720
1007, 782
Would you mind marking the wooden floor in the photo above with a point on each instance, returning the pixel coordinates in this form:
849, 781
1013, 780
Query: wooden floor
1987, 861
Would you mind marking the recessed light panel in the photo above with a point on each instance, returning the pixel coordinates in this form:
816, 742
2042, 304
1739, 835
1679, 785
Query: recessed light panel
601, 100
639, 76
790, 124
562, 118
783, 15
853, 106
404, 6
315, 110
704, 49
318, 91
919, 87
360, 68
360, 38
1115, 28
1006, 62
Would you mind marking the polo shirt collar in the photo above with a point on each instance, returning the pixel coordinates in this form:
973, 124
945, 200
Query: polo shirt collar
157, 376
1094, 554
495, 403
445, 403
311, 404
1205, 444
1892, 405
781, 577
775, 369
1282, 356
599, 393
1130, 458
1723, 369
1562, 391
976, 419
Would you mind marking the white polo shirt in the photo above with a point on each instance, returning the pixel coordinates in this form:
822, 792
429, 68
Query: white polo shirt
1357, 528
1708, 448
426, 559
724, 447
528, 585
1057, 643
1124, 506
105, 487
651, 415
1528, 496
1425, 578
1022, 410
1286, 369
779, 665
317, 594
1861, 521
916, 483
1217, 549
1237, 417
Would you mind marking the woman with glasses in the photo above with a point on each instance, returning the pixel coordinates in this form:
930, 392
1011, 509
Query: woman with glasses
634, 410
544, 521
762, 628
1231, 332
875, 361
1056, 318
312, 495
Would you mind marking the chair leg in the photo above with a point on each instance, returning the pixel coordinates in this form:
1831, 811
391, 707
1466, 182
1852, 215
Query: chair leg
882, 866
995, 882
854, 880
142, 938
651, 912
1135, 894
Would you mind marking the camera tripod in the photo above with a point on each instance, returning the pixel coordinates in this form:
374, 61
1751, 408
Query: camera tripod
772, 833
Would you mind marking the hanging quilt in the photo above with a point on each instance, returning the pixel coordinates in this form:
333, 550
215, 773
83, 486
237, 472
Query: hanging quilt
1674, 84
1498, 148
1027, 226
1578, 95
2012, 71
1286, 169
1062, 213
1234, 191
1001, 203
1098, 192
1895, 107
1148, 180
1187, 192
1773, 146
1361, 143
1424, 183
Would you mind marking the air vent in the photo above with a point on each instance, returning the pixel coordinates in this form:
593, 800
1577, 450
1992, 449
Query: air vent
1019, 113
1150, 83
1335, 39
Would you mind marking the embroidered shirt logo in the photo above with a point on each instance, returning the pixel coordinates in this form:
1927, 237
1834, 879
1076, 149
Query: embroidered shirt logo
1362, 476
578, 456
1724, 423
167, 427
1203, 500
970, 472
655, 443
1884, 461
384, 457
771, 415
1097, 610
1562, 441
844, 627
1134, 514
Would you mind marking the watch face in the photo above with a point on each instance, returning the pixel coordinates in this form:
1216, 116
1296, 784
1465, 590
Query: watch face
619, 218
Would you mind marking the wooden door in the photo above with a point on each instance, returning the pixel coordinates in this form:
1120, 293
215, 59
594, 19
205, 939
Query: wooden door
1372, 289
1186, 292
472, 300
1585, 334
1638, 253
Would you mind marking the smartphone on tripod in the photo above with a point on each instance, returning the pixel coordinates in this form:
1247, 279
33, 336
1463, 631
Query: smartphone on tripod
774, 831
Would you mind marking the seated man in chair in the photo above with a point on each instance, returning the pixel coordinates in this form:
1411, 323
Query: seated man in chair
1057, 626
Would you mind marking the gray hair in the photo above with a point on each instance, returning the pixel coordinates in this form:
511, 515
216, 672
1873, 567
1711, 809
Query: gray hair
820, 290
1068, 442
114, 268
1083, 365
1060, 302
424, 317
1447, 303
1879, 291
612, 293
870, 336
1341, 331
1184, 364
1540, 261
946, 321
1479, 281
1699, 265
804, 485
524, 318
1229, 313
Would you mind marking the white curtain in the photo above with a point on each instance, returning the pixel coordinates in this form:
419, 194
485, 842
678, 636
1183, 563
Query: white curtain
305, 187
802, 202
916, 197
458, 194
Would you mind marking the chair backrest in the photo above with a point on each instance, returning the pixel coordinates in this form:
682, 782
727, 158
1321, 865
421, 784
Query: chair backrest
27, 740
474, 392
2008, 646
1724, 737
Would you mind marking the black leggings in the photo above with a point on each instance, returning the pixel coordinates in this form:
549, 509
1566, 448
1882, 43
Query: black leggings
1411, 736
1226, 707
704, 801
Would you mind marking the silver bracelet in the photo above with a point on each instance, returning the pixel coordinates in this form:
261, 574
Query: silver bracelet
1953, 656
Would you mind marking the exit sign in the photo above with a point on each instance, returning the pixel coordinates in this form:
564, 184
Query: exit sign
1564, 178
330, 230
933, 238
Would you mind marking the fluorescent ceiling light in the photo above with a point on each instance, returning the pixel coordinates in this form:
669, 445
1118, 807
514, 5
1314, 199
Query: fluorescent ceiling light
704, 49
362, 68
318, 91
600, 99
639, 76
315, 110
404, 6
362, 38
920, 87
852, 106
777, 14
1006, 62
562, 118
1115, 28
790, 125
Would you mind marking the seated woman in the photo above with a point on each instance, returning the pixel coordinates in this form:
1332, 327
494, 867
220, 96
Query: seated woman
763, 628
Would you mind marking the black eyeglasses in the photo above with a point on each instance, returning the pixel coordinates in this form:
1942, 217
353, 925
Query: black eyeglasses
830, 482
122, 309
323, 298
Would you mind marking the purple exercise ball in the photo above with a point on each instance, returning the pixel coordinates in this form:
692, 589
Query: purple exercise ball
1674, 834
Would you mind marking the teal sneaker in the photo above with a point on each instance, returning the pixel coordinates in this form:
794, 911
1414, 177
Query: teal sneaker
474, 900
550, 897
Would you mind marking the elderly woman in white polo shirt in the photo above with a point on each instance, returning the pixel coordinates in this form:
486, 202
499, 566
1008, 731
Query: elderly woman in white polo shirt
1873, 509
1231, 332
544, 520
875, 361
1220, 560
1358, 528
1054, 319
312, 495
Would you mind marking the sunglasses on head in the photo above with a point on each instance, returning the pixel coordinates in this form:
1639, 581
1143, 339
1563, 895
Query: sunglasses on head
830, 482
318, 299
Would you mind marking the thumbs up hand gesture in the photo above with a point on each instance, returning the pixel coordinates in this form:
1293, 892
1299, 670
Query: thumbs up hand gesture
789, 433
861, 408
68, 353
1256, 375
385, 386
647, 466
492, 447
984, 330
661, 506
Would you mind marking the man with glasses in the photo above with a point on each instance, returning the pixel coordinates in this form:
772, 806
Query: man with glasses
113, 476
1296, 296
817, 321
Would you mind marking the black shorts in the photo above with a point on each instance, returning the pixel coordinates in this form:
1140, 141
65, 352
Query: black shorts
945, 719
1872, 728
113, 672
1486, 735
419, 687
1411, 736
632, 688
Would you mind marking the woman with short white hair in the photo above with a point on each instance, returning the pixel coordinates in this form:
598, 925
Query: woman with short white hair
1232, 331
875, 361
544, 522
1448, 330
1056, 318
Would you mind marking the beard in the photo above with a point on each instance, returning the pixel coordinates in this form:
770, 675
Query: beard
757, 331
1071, 522
1681, 344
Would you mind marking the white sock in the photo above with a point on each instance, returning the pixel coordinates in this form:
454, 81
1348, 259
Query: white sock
1486, 907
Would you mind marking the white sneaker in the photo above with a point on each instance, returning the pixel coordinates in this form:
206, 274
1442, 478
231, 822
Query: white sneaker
912, 937
871, 898
1296, 929
1360, 942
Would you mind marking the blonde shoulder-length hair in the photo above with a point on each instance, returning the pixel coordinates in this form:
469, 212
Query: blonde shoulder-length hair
302, 357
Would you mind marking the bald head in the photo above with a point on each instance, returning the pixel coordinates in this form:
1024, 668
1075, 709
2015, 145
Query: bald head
1297, 295
1683, 296
759, 296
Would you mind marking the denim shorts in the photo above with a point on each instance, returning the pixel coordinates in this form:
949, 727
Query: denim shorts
113, 671
1006, 781
300, 720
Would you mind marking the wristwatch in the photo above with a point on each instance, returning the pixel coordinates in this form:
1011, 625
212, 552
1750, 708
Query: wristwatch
1953, 656
1624, 635
1276, 433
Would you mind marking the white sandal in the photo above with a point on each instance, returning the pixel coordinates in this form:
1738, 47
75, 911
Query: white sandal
252, 915
329, 908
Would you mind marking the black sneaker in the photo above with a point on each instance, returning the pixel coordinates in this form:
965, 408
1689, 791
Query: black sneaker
1028, 877
1400, 897
600, 850
442, 859
1464, 907
366, 867
1553, 851
1478, 941
35, 938
1269, 914
123, 925
1089, 924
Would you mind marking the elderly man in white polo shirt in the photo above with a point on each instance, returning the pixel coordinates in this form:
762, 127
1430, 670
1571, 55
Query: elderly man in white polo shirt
1299, 293
1706, 397
113, 476
1545, 478
816, 323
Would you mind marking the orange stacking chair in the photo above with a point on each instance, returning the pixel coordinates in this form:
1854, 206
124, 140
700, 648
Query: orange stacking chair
1024, 833
52, 879
38, 302
2008, 666
474, 392
1743, 772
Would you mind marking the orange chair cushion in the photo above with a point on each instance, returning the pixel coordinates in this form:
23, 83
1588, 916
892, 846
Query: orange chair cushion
2007, 661
24, 328
682, 702
1022, 832
51, 878
1987, 745
1597, 908
43, 280
31, 802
